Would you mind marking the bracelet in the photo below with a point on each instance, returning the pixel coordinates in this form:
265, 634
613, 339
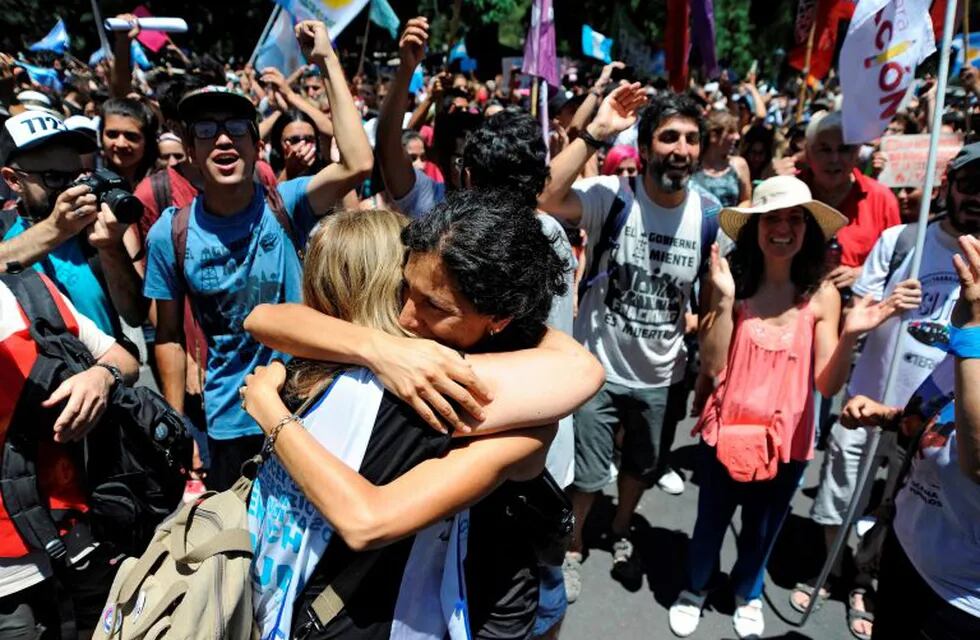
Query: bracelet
270, 441
117, 379
964, 343
592, 141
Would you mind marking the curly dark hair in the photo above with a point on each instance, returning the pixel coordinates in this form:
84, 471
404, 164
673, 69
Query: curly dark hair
503, 262
668, 105
508, 152
748, 264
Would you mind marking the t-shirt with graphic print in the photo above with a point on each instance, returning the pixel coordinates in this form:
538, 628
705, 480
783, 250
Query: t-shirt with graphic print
232, 264
940, 290
633, 318
937, 512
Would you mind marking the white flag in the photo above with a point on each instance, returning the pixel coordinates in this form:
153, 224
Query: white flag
885, 41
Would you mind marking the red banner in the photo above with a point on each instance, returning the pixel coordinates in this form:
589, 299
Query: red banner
829, 14
677, 43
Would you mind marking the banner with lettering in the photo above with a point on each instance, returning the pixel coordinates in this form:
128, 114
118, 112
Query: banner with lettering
906, 155
884, 43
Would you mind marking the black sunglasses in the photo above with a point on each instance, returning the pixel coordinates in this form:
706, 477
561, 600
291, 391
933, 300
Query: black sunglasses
209, 129
52, 178
967, 186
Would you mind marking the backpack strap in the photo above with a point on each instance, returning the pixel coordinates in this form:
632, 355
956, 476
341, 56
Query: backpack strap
162, 192
330, 602
8, 215
18, 467
274, 200
904, 245
619, 213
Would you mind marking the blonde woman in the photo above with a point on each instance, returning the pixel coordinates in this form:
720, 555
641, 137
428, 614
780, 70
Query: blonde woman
368, 472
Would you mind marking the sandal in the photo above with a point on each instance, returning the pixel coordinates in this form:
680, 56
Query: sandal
807, 589
855, 615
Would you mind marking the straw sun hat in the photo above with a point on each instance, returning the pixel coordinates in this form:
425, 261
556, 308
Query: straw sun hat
781, 192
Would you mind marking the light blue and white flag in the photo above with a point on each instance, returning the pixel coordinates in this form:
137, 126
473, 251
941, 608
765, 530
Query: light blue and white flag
336, 14
42, 75
418, 80
958, 58
138, 55
57, 40
596, 45
458, 51
385, 17
280, 49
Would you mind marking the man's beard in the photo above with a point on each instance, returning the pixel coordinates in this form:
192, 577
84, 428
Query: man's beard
38, 210
962, 224
659, 168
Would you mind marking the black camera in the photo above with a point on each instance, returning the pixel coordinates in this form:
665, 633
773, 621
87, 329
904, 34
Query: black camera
111, 189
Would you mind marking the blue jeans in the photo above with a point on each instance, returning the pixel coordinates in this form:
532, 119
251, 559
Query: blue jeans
764, 508
552, 601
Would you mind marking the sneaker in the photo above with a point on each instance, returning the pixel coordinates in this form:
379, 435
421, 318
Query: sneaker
685, 613
571, 571
748, 620
671, 482
626, 568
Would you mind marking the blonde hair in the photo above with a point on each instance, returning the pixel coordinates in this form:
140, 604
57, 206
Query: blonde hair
352, 271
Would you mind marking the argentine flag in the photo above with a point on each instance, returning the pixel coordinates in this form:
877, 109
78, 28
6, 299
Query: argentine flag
959, 53
280, 49
596, 45
57, 40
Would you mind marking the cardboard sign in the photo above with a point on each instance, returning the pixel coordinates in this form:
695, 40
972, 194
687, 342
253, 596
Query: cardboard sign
907, 155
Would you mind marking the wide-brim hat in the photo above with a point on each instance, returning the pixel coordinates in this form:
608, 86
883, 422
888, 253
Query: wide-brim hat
215, 99
782, 192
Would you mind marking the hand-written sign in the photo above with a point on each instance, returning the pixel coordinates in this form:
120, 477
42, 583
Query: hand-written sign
907, 154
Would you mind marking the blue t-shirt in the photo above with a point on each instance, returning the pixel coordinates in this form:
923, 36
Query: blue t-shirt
68, 268
232, 264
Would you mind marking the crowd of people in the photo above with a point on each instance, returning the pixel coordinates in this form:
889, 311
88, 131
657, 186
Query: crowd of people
444, 327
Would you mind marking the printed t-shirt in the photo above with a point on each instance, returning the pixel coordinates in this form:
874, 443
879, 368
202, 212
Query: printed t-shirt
937, 512
633, 320
232, 264
940, 290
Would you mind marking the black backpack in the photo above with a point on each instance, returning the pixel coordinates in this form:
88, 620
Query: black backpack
133, 460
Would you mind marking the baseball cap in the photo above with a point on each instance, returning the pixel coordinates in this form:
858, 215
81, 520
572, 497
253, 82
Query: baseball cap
33, 99
215, 98
968, 154
32, 129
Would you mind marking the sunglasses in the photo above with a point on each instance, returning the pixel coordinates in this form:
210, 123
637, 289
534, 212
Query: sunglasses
294, 140
415, 157
627, 171
209, 129
967, 186
52, 178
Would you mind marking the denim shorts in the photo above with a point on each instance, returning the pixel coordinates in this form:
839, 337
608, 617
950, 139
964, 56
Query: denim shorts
552, 601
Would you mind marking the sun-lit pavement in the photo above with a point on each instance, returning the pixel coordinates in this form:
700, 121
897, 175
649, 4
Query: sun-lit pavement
607, 611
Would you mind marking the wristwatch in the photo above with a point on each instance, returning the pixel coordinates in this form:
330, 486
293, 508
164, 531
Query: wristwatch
117, 379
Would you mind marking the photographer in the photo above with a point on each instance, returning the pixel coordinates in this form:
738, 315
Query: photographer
64, 229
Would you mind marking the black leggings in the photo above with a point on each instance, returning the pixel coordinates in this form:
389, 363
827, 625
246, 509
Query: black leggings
907, 607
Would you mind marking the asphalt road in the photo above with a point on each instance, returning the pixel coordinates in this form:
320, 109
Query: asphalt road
662, 527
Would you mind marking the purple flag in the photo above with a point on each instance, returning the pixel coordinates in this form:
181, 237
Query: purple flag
703, 31
539, 47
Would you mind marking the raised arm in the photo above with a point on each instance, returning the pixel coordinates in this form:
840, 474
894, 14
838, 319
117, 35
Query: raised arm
586, 110
121, 80
498, 391
117, 244
616, 113
74, 209
369, 516
396, 167
328, 186
717, 321
966, 316
322, 121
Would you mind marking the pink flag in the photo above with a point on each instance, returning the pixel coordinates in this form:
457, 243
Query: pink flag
152, 40
539, 46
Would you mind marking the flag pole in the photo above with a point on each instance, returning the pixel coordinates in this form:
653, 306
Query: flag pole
367, 29
100, 29
920, 239
966, 61
806, 69
265, 32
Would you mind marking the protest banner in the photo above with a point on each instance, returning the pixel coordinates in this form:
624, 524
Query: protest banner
907, 155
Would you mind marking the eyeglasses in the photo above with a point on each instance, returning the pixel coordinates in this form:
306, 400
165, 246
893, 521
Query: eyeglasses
415, 157
294, 140
311, 87
627, 171
52, 178
967, 186
209, 129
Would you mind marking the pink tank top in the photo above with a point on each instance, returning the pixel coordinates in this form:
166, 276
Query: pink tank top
768, 380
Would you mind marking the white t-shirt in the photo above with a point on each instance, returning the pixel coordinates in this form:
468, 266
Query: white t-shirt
940, 290
17, 574
561, 454
633, 318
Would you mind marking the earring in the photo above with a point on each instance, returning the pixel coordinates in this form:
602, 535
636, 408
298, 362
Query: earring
493, 332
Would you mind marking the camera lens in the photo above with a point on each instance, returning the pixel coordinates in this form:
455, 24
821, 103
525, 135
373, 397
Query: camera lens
125, 206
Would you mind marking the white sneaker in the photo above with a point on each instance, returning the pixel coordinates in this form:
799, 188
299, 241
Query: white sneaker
671, 482
685, 613
748, 620
571, 571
